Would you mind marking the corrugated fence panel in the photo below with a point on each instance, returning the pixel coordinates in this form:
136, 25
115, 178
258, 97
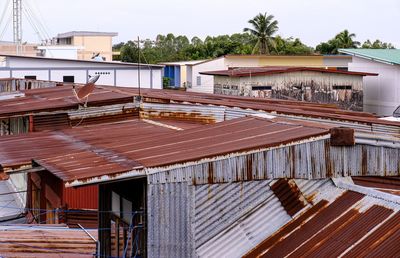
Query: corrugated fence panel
253, 221
170, 213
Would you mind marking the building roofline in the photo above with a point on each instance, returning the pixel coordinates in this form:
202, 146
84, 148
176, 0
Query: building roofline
288, 56
350, 52
257, 71
86, 33
82, 61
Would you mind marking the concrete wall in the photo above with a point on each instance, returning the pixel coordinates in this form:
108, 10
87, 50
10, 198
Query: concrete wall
206, 81
257, 61
110, 74
93, 44
381, 93
318, 87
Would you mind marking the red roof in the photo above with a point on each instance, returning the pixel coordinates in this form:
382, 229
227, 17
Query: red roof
259, 71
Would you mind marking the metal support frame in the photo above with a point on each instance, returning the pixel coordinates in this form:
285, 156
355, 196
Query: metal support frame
17, 25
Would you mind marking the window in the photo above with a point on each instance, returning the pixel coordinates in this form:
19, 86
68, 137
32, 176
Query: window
69, 79
261, 88
198, 80
341, 87
30, 77
396, 113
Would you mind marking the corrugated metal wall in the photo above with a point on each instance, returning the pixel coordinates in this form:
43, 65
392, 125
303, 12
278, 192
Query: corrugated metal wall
217, 206
309, 160
250, 228
214, 220
82, 197
169, 215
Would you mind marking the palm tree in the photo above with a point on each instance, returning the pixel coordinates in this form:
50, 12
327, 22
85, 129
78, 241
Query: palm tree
263, 28
345, 40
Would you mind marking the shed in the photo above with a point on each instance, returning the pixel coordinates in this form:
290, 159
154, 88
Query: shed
331, 86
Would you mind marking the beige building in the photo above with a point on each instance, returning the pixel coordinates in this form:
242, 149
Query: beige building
10, 48
91, 43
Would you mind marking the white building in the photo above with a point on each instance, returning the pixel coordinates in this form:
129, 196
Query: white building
58, 51
79, 71
204, 83
381, 93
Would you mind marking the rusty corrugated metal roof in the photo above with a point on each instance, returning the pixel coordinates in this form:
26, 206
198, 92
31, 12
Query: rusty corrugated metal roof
353, 224
94, 151
62, 98
46, 241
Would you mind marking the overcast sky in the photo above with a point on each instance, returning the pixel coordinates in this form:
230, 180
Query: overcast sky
313, 21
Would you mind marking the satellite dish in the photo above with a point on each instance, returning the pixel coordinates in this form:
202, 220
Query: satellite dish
85, 91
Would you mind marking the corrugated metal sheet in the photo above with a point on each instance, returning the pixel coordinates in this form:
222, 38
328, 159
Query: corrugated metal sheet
82, 197
246, 226
46, 241
218, 206
170, 218
340, 224
206, 114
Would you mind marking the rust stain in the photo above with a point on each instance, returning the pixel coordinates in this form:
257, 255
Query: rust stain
364, 161
329, 170
249, 167
210, 178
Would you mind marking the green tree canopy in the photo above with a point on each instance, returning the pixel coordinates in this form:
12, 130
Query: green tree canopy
263, 28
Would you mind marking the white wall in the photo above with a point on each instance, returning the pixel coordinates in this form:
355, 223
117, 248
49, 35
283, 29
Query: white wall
40, 74
125, 75
381, 93
207, 81
4, 74
57, 75
157, 79
106, 76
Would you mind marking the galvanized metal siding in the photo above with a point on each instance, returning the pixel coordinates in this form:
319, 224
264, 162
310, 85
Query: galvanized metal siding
257, 216
170, 214
310, 160
217, 206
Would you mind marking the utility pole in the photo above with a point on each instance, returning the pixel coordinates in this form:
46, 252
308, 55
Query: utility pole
17, 24
138, 45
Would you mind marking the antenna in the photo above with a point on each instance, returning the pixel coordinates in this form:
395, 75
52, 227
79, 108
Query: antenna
17, 24
138, 44
86, 90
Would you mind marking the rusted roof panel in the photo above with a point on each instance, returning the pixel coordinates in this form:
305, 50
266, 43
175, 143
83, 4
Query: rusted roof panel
62, 98
46, 241
110, 149
352, 225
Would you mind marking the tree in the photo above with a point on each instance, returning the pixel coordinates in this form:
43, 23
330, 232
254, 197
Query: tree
344, 39
263, 29
377, 45
290, 46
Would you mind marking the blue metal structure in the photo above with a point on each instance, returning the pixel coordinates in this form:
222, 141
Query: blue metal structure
174, 73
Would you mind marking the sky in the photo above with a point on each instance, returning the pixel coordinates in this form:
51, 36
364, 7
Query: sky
313, 21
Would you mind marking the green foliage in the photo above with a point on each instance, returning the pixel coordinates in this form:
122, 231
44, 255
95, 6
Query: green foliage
377, 45
259, 39
291, 46
166, 82
263, 28
344, 39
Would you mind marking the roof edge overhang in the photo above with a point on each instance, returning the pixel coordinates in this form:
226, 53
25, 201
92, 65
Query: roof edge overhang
146, 171
349, 52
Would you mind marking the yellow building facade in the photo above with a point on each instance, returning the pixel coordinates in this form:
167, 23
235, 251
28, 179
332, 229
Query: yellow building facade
92, 43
